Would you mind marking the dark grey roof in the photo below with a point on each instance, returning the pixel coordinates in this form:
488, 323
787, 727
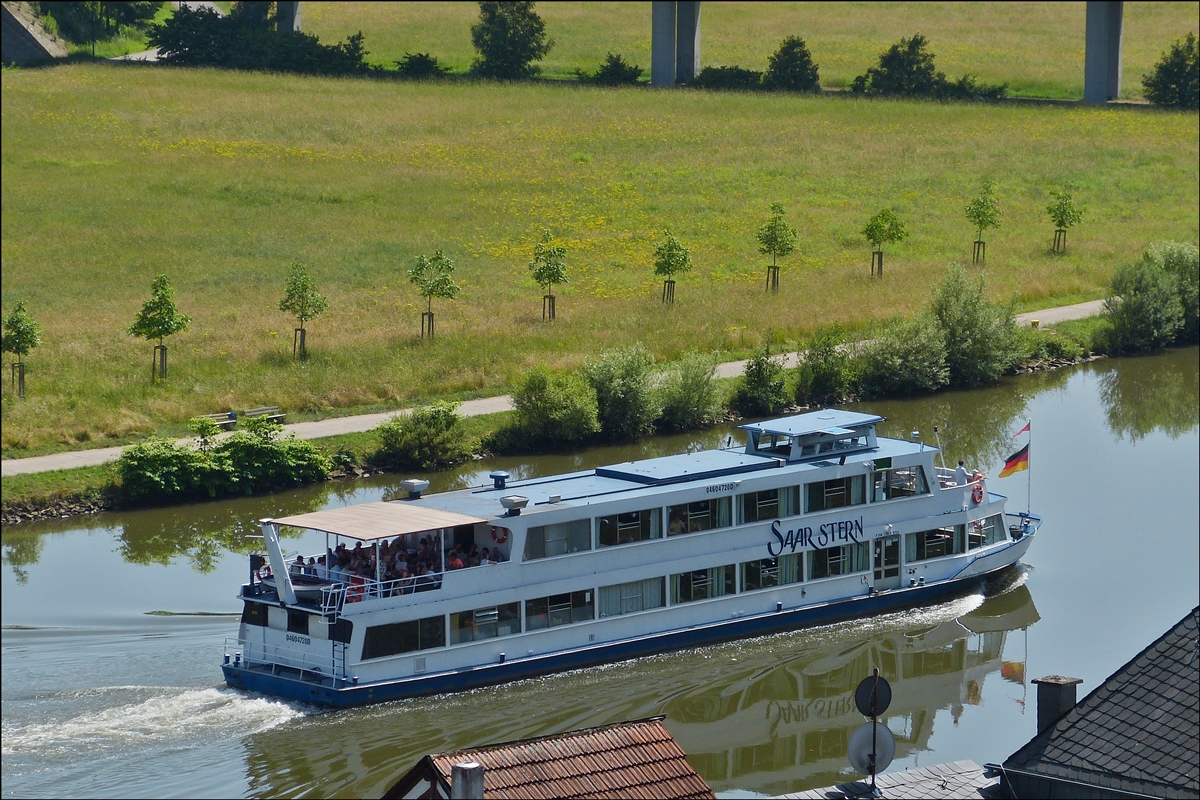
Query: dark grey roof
957, 779
1139, 732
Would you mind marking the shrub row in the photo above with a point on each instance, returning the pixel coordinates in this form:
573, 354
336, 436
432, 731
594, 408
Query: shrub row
250, 461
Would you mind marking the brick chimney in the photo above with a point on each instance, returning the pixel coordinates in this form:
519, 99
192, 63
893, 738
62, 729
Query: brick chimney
1055, 697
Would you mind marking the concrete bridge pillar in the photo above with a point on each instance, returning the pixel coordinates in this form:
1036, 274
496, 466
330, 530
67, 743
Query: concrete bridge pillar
675, 42
287, 16
1102, 61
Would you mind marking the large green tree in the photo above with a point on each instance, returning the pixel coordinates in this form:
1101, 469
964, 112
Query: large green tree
159, 318
302, 300
509, 37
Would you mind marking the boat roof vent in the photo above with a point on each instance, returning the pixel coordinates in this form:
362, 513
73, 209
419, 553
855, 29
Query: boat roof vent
414, 487
499, 479
513, 504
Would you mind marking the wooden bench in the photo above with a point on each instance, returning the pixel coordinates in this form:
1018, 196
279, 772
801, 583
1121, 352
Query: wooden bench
273, 413
224, 419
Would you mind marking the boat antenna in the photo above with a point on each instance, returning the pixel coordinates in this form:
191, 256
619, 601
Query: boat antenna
941, 452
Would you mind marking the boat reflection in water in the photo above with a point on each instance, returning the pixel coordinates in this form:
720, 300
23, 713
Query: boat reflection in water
787, 727
771, 714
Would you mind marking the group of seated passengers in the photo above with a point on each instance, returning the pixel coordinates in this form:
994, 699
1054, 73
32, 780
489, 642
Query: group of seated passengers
463, 556
408, 570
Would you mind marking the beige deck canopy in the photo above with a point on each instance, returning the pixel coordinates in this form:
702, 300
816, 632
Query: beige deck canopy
371, 521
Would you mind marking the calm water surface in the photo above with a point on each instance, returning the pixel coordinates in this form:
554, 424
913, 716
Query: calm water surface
104, 697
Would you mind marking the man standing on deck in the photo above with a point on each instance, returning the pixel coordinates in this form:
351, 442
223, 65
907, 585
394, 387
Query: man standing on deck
960, 475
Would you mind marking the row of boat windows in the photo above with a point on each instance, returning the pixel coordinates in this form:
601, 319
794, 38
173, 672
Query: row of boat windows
684, 587
544, 541
611, 601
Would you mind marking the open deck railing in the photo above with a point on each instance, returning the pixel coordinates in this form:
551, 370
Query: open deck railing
243, 652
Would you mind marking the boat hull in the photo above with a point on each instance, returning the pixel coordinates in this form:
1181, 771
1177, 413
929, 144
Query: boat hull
290, 684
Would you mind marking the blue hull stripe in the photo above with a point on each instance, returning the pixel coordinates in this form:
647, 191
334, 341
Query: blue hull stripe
292, 688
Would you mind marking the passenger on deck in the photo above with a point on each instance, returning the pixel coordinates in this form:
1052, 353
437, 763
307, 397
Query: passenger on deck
960, 475
298, 566
485, 558
454, 562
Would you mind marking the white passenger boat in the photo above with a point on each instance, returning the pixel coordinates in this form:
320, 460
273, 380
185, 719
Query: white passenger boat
815, 520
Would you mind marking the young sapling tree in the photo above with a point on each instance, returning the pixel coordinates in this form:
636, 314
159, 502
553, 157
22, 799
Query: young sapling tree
778, 239
158, 319
1064, 214
22, 333
671, 257
431, 275
549, 268
883, 228
302, 300
983, 212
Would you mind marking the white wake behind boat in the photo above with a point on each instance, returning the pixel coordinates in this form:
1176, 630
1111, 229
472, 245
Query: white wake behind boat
815, 520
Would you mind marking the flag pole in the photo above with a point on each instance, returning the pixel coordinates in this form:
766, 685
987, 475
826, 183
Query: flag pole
1029, 472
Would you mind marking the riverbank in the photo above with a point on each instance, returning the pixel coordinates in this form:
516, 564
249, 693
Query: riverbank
73, 492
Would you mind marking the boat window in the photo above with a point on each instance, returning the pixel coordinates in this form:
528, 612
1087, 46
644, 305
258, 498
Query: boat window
768, 572
701, 584
485, 623
935, 543
844, 560
983, 532
558, 609
636, 526
404, 637
701, 516
628, 598
556, 540
899, 482
297, 621
768, 504
254, 614
775, 443
837, 493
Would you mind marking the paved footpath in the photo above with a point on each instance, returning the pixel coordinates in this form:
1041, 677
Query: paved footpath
470, 408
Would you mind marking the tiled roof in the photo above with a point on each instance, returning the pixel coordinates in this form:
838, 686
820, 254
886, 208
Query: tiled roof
1139, 732
629, 759
957, 779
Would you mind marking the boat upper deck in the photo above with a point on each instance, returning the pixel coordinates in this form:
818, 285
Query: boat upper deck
838, 437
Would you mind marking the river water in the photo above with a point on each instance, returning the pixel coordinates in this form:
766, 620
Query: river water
113, 624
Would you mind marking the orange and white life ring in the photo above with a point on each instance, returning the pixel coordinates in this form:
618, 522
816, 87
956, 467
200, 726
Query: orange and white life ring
499, 535
977, 493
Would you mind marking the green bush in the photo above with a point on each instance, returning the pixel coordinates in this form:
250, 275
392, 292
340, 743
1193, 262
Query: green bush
615, 71
552, 412
906, 69
626, 401
823, 374
509, 37
761, 391
907, 359
431, 437
791, 68
728, 78
262, 459
1047, 345
247, 39
1175, 80
689, 393
1143, 308
257, 459
1183, 262
981, 337
420, 66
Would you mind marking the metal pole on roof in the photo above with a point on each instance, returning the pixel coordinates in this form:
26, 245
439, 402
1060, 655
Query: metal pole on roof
466, 781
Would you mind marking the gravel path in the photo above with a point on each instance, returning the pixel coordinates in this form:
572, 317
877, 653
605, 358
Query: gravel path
470, 408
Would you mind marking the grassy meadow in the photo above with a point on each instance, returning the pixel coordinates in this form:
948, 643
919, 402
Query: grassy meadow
114, 173
1037, 48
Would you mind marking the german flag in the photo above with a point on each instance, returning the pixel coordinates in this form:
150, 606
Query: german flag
1016, 462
